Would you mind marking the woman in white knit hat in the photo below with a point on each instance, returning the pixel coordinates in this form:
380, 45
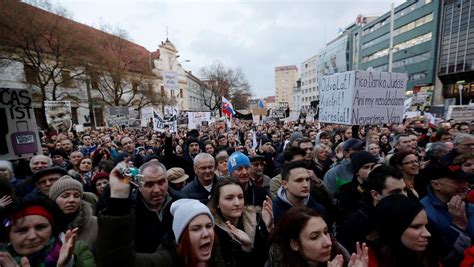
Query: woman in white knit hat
67, 193
191, 242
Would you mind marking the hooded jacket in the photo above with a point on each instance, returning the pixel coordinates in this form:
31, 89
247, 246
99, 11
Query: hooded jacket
281, 204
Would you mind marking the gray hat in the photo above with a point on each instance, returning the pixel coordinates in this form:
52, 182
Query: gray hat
294, 136
64, 183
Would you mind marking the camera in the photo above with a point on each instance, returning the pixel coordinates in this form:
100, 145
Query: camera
130, 172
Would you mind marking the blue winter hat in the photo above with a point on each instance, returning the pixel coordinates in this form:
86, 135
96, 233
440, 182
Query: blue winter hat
236, 160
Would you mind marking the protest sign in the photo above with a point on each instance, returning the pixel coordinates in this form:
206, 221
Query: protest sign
158, 122
463, 113
170, 80
362, 98
147, 116
58, 115
195, 119
19, 137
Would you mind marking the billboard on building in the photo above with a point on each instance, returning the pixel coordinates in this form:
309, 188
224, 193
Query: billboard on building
333, 58
58, 115
18, 135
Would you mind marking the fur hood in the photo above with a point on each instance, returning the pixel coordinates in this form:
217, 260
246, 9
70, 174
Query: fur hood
248, 220
83, 218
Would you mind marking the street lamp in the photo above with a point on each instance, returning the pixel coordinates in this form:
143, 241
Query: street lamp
460, 88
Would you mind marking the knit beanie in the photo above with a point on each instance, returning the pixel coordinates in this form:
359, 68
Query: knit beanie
294, 136
64, 183
360, 158
393, 215
236, 160
183, 211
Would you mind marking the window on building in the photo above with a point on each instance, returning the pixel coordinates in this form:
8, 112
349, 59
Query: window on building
378, 54
66, 80
417, 75
181, 93
135, 85
412, 25
31, 74
99, 116
94, 80
412, 42
411, 60
74, 118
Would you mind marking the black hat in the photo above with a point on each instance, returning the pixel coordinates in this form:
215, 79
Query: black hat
256, 157
352, 143
360, 158
49, 170
393, 215
264, 139
442, 170
56, 152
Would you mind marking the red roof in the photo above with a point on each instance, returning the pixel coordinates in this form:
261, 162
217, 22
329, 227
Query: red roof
18, 17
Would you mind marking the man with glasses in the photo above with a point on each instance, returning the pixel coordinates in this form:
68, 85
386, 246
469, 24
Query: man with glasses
463, 143
43, 180
201, 187
256, 172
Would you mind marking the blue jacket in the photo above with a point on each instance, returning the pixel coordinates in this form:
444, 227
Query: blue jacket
281, 205
452, 241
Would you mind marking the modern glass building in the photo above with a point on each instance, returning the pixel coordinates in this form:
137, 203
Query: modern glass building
456, 49
415, 35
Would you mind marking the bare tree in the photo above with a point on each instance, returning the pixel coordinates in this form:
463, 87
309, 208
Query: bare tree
221, 81
48, 45
123, 72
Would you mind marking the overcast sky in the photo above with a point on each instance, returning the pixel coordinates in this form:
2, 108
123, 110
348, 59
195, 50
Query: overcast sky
255, 35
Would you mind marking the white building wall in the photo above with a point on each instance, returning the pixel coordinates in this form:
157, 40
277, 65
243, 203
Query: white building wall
309, 82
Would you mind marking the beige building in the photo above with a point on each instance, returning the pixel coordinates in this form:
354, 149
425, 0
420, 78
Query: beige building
285, 82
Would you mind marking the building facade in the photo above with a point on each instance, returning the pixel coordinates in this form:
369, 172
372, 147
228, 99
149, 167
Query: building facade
456, 50
195, 94
297, 96
309, 83
285, 80
415, 35
132, 75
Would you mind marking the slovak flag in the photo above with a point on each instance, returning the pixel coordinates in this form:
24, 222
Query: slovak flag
227, 108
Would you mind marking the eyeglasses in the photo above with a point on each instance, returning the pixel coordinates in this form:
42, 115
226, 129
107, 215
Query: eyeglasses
467, 145
50, 180
411, 162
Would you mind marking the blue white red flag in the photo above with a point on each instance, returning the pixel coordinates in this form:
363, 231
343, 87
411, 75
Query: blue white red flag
227, 108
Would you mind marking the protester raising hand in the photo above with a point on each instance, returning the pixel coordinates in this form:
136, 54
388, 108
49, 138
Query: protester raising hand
67, 249
6, 260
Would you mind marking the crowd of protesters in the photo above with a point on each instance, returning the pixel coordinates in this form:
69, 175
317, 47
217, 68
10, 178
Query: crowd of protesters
275, 194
